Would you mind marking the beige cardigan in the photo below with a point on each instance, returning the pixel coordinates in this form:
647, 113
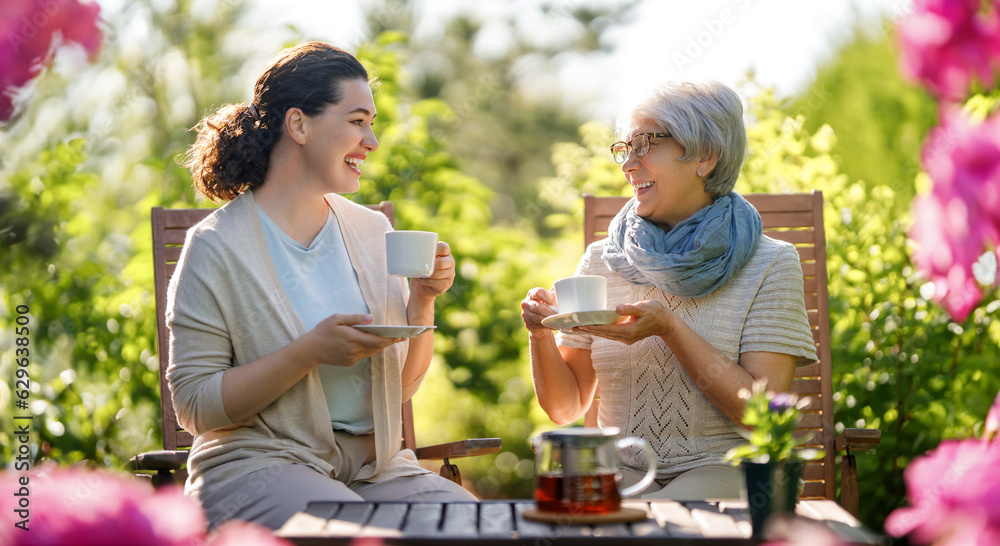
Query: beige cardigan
226, 307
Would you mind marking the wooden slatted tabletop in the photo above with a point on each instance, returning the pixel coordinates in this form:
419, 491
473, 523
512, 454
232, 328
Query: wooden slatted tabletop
502, 522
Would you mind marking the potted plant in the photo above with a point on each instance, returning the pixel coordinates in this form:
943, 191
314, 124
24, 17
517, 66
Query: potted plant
772, 459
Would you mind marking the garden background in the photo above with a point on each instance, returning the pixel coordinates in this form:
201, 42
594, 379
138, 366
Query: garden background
498, 172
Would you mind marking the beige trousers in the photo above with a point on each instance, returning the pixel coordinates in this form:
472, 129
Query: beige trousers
272, 495
706, 482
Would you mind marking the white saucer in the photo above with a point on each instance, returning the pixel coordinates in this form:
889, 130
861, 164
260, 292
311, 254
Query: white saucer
565, 321
393, 331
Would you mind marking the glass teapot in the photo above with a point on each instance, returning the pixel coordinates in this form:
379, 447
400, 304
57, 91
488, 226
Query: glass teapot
577, 470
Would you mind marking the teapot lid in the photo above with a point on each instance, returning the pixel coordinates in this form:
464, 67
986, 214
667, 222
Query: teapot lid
577, 434
581, 432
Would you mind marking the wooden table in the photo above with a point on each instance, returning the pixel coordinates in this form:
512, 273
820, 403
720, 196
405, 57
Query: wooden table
501, 522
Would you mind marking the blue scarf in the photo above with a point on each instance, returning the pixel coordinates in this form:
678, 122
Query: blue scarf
694, 258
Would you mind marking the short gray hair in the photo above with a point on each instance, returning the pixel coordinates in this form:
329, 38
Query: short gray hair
705, 118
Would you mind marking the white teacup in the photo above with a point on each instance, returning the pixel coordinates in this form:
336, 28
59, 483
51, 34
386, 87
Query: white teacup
410, 253
581, 293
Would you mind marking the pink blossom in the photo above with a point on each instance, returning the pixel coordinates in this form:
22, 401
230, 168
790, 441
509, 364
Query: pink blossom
947, 43
84, 507
960, 293
960, 218
954, 493
80, 507
30, 29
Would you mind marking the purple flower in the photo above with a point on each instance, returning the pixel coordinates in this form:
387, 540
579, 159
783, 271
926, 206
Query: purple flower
956, 222
954, 493
781, 402
30, 28
945, 44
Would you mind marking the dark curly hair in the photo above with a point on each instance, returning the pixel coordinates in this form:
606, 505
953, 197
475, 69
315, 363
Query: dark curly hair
233, 147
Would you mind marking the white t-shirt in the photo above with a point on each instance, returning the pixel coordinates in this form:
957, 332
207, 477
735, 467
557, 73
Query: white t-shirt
321, 281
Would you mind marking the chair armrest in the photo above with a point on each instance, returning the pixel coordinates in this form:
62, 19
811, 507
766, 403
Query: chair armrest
462, 448
159, 460
853, 439
858, 439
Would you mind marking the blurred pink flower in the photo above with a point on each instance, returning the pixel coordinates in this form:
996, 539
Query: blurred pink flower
30, 29
76, 506
954, 494
947, 43
83, 507
960, 218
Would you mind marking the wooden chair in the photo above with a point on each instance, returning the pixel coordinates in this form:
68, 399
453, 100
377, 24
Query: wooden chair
798, 219
170, 227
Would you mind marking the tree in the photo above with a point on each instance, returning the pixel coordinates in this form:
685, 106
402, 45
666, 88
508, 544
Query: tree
879, 118
502, 132
74, 205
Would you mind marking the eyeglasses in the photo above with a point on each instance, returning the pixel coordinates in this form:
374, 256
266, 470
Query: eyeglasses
639, 144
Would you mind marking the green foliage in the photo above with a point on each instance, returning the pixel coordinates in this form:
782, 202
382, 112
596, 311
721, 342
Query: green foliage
880, 119
83, 327
74, 210
501, 123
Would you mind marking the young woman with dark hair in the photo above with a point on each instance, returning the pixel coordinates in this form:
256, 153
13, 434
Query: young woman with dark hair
288, 402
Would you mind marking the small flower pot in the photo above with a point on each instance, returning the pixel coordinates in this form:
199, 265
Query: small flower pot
772, 488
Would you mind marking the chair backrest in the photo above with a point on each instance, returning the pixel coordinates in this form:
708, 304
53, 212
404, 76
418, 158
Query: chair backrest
170, 228
796, 218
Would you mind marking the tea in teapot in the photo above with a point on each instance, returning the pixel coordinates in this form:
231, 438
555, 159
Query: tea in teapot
577, 470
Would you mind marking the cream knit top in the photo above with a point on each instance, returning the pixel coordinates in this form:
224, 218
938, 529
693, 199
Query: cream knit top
646, 392
226, 307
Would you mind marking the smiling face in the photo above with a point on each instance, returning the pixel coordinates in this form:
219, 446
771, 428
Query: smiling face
667, 190
338, 138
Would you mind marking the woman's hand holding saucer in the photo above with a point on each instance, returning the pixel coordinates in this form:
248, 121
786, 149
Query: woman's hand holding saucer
645, 319
335, 341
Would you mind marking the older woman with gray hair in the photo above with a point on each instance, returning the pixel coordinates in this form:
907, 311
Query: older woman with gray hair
707, 303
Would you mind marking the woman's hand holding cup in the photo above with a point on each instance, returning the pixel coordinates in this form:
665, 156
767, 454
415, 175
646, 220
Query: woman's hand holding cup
538, 304
441, 277
577, 294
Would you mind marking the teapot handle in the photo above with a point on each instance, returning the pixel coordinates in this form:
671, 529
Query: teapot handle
650, 471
